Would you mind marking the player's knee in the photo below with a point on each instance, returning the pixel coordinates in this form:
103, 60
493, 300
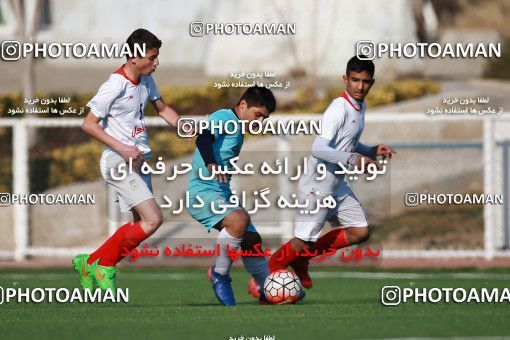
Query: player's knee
250, 240
152, 226
158, 221
237, 223
153, 222
358, 235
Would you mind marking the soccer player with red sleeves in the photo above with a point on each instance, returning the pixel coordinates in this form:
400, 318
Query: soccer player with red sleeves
342, 125
116, 118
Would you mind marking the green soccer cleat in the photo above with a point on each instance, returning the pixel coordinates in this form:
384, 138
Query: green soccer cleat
84, 271
105, 276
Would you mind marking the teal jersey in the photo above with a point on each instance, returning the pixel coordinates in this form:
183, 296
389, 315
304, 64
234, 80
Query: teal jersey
225, 147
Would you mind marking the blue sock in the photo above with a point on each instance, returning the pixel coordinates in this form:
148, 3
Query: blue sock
258, 268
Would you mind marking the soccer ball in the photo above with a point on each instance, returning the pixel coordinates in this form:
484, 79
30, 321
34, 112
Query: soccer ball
282, 286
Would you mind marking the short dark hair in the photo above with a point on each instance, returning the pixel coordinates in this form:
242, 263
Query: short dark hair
359, 65
143, 36
259, 96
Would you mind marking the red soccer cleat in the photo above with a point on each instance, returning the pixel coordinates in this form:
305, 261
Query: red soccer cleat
253, 288
300, 267
209, 274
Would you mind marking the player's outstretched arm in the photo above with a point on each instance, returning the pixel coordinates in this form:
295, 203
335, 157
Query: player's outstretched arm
91, 126
359, 160
166, 112
204, 146
366, 150
321, 150
383, 150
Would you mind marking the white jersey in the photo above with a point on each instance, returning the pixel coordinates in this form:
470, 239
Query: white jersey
342, 124
120, 102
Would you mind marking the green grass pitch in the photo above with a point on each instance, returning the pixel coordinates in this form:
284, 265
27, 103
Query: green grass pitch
178, 303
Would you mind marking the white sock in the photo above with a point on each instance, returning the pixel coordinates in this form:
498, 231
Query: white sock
258, 268
223, 261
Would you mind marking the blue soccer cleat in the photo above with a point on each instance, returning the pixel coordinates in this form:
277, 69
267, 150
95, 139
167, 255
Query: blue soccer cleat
222, 288
301, 295
263, 300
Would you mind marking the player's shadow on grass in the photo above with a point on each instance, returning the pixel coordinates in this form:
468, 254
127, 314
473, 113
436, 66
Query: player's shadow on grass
312, 301
217, 304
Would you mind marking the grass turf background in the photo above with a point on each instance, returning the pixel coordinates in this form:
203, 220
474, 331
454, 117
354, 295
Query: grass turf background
179, 304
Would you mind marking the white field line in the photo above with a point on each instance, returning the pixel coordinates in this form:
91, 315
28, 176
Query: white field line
314, 274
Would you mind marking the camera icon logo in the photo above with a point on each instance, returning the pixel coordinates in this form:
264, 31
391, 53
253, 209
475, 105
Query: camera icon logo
5, 199
391, 295
411, 199
187, 127
365, 50
11, 50
196, 29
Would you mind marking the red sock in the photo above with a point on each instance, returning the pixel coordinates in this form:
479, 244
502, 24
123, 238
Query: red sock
125, 239
334, 239
282, 257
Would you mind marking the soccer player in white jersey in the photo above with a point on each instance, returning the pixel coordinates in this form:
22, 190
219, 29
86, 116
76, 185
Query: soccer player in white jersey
116, 118
342, 125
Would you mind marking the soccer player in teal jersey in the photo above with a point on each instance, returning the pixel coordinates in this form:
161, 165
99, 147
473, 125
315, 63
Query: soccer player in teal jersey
215, 149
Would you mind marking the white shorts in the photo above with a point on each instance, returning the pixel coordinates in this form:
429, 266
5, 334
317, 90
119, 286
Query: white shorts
134, 189
347, 213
